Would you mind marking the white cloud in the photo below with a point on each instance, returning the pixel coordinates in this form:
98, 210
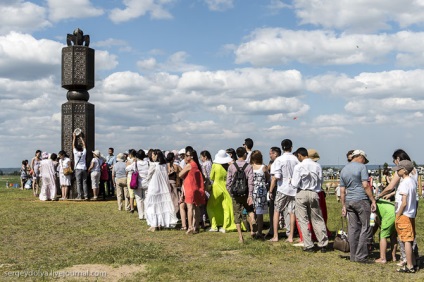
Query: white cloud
22, 16
369, 85
174, 63
359, 15
219, 5
22, 56
105, 60
136, 8
72, 9
277, 46
247, 82
276, 5
110, 43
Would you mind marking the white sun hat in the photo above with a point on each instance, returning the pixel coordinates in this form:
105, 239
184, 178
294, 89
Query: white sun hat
222, 157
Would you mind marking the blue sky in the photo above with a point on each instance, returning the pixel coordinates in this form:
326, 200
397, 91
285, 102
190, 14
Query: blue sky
330, 75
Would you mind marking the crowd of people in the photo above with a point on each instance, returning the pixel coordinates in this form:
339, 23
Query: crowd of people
233, 191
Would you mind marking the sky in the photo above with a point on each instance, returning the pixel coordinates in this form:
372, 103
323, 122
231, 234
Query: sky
329, 75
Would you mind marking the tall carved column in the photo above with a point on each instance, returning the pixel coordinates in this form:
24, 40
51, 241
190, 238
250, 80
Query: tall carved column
78, 78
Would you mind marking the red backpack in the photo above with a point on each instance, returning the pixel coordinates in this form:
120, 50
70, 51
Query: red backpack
104, 172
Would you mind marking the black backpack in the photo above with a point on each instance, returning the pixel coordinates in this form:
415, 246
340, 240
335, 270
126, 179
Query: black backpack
239, 186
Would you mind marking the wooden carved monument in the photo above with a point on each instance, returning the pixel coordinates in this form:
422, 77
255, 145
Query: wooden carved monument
78, 78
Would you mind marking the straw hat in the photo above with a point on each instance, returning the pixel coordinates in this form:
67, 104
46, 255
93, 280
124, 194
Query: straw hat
313, 155
120, 157
97, 153
222, 157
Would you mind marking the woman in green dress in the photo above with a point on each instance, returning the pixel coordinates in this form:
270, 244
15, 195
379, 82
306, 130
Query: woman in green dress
220, 205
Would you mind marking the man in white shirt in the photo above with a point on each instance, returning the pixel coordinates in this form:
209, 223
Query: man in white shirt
285, 198
80, 168
248, 145
307, 178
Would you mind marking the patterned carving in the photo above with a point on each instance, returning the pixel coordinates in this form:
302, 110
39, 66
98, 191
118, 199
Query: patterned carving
79, 67
79, 108
66, 109
67, 133
66, 67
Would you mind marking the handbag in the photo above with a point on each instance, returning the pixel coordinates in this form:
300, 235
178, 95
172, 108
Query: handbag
134, 178
341, 241
67, 170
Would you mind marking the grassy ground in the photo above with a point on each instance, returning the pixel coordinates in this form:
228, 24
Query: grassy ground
50, 236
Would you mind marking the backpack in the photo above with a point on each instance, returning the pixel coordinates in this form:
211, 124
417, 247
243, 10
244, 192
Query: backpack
104, 172
239, 186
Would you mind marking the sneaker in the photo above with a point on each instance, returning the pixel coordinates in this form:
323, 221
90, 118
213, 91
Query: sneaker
309, 250
323, 249
366, 261
213, 230
222, 230
78, 198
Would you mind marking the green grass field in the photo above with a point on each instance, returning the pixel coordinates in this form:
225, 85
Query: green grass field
47, 237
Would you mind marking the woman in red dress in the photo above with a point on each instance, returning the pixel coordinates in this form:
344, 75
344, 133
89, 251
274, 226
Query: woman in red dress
194, 191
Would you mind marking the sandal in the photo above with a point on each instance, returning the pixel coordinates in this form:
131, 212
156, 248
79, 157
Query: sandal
406, 269
190, 230
184, 228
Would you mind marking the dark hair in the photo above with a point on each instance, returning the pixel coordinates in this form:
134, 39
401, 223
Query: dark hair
53, 156
401, 154
256, 157
24, 162
349, 155
386, 171
189, 148
206, 154
193, 154
149, 154
38, 151
113, 150
63, 153
232, 153
241, 151
249, 143
132, 152
286, 144
141, 155
302, 151
159, 156
277, 150
170, 158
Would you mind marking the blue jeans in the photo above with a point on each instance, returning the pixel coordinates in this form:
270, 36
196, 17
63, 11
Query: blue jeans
359, 232
81, 179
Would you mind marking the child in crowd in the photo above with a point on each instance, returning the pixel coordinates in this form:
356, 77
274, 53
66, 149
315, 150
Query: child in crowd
406, 206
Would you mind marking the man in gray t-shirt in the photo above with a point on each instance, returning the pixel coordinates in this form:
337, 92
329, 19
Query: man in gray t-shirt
357, 205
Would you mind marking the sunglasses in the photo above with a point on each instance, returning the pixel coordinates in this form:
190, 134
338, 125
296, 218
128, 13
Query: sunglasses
188, 155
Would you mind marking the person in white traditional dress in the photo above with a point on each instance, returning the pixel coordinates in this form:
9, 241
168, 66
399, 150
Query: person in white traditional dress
65, 180
158, 204
48, 178
141, 165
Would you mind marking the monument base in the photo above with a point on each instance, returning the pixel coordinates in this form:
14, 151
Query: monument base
78, 114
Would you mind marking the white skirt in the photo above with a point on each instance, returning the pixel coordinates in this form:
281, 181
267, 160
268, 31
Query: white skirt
65, 180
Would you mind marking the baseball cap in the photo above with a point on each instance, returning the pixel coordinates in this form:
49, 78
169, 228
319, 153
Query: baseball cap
360, 153
406, 164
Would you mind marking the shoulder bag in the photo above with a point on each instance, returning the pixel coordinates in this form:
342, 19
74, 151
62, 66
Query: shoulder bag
134, 178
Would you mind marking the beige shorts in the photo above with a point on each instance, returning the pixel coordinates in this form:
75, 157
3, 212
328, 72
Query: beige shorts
283, 202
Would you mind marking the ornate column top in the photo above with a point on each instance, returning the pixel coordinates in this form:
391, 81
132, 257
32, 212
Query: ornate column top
78, 38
